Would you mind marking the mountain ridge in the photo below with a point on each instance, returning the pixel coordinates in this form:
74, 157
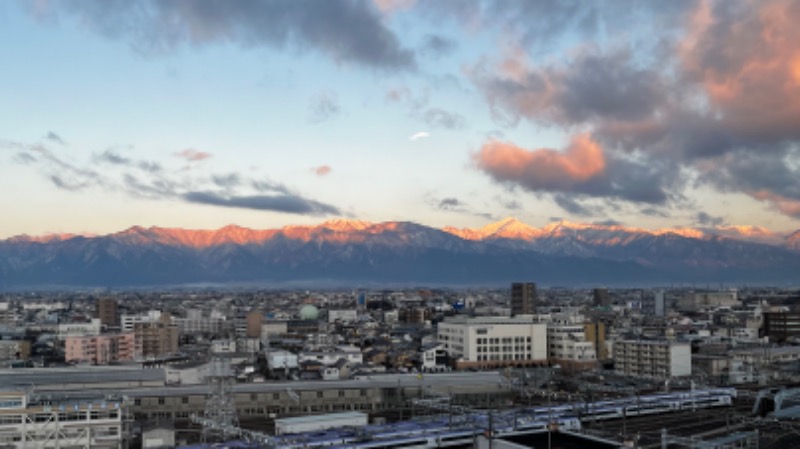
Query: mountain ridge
398, 251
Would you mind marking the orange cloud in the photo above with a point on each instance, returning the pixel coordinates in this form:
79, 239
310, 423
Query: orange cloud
322, 170
786, 206
747, 59
544, 168
193, 155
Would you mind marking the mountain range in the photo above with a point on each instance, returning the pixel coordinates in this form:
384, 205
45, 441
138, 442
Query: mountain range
349, 252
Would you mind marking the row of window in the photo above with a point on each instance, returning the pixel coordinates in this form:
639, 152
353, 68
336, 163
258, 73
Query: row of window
504, 340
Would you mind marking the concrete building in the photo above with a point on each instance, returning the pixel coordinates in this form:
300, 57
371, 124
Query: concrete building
15, 350
567, 344
26, 422
654, 359
223, 346
157, 338
350, 353
106, 310
780, 326
488, 342
523, 298
659, 303
601, 297
595, 333
342, 316
708, 300
65, 330
253, 321
101, 349
128, 321
282, 360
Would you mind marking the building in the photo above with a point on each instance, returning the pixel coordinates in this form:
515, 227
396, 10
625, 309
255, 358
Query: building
489, 342
350, 353
15, 349
78, 329
654, 359
601, 297
254, 320
26, 422
223, 346
157, 338
101, 349
708, 300
342, 316
780, 326
595, 333
107, 312
128, 321
659, 303
523, 298
567, 344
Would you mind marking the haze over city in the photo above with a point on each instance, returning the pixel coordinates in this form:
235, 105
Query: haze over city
448, 113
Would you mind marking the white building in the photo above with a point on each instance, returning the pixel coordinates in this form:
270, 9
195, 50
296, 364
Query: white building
128, 321
494, 341
282, 360
27, 423
342, 316
709, 300
249, 345
567, 344
78, 329
350, 353
223, 346
655, 359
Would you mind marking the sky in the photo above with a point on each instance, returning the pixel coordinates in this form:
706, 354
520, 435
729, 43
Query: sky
200, 114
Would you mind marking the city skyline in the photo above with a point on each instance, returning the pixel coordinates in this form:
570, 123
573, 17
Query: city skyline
263, 114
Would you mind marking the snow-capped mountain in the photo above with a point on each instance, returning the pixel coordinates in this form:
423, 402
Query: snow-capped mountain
349, 251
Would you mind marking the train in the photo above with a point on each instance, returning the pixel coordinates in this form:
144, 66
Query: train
442, 431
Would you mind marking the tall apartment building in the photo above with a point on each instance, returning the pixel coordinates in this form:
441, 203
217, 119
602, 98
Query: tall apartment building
106, 310
523, 298
654, 359
101, 349
489, 342
601, 297
595, 332
157, 338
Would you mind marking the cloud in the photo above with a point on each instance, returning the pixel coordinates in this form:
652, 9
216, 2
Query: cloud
193, 155
450, 203
438, 46
442, 119
53, 137
291, 204
145, 179
322, 170
420, 135
390, 6
574, 170
346, 31
717, 106
322, 107
608, 222
704, 219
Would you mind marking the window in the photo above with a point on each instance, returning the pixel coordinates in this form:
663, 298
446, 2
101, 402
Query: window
319, 394
137, 401
185, 400
253, 397
160, 401
276, 396
341, 393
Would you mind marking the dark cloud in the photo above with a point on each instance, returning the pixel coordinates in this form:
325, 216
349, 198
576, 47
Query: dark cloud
145, 179
450, 203
438, 46
55, 138
322, 107
653, 212
290, 204
572, 205
444, 119
609, 222
349, 31
726, 119
705, 219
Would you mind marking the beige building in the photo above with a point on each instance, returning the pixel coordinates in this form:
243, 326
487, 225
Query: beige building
489, 342
567, 344
157, 338
15, 349
101, 349
654, 359
254, 320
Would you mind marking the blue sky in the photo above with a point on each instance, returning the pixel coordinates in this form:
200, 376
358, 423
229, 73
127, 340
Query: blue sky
201, 114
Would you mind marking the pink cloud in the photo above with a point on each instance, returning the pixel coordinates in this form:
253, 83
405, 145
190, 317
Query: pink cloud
192, 155
322, 170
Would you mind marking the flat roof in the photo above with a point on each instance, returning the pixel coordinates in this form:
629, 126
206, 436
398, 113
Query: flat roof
321, 418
